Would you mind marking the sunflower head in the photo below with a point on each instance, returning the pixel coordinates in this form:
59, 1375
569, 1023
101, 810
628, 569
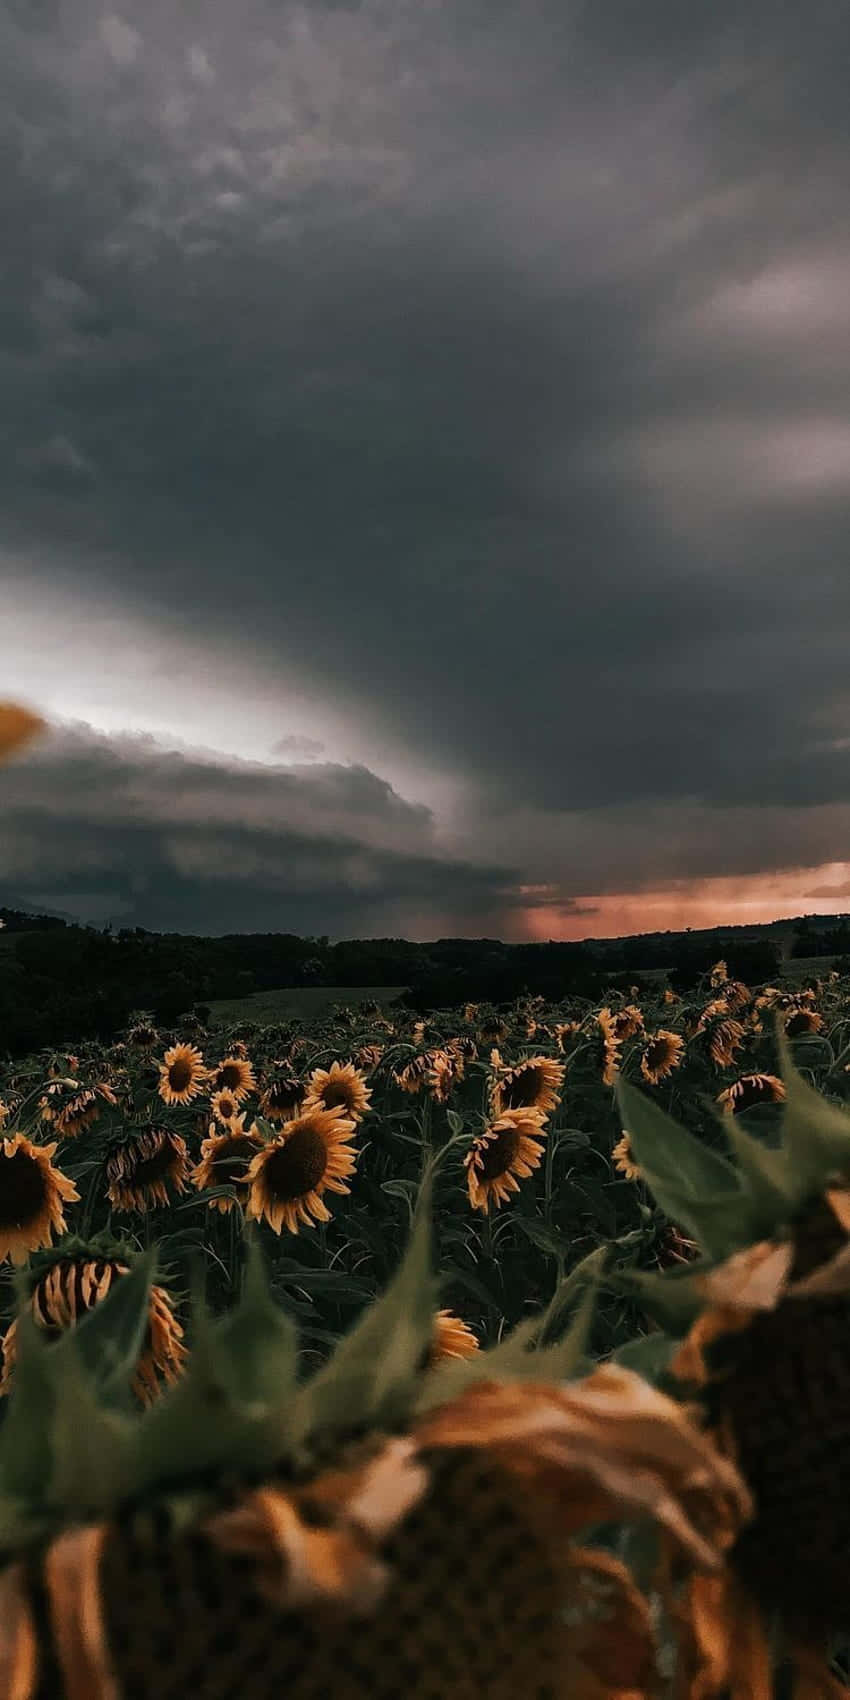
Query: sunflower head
182, 1075
412, 1076
662, 1053
626, 1022
224, 1106
141, 1168
508, 1151
623, 1159
282, 1098
750, 1090
341, 1086
143, 1034
452, 1338
610, 1046
801, 1020
225, 1157
32, 1197
234, 1074
533, 1084
289, 1176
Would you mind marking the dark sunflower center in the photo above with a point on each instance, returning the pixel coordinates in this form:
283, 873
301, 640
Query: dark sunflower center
284, 1095
801, 1022
522, 1088
152, 1158
296, 1167
751, 1090
230, 1076
657, 1053
23, 1191
335, 1093
179, 1074
498, 1154
231, 1160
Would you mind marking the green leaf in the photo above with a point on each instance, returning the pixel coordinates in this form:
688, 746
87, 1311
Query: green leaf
372, 1378
673, 1299
696, 1187
256, 1344
648, 1356
91, 1445
815, 1133
456, 1122
25, 1438
771, 1181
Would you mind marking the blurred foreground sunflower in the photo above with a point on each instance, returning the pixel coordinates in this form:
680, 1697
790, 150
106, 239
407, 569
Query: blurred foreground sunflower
289, 1176
444, 1553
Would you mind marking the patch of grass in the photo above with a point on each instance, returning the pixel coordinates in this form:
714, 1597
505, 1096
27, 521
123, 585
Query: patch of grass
296, 1000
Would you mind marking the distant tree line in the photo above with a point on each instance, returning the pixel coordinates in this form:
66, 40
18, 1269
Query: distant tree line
61, 983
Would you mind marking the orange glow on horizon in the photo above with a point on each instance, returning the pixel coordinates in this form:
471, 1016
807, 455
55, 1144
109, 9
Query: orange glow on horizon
750, 900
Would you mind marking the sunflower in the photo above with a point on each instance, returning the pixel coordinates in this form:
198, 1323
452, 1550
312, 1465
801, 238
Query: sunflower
622, 1157
749, 1090
282, 1098
142, 1034
493, 1031
288, 1177
610, 1047
564, 1031
452, 1338
662, 1054
182, 1075
463, 1046
799, 1021
411, 1078
508, 1148
82, 1109
534, 1084
32, 1196
140, 1170
443, 1071
224, 1106
726, 1040
224, 1162
70, 1286
627, 1022
446, 1561
368, 1057
5, 1112
341, 1086
719, 974
234, 1074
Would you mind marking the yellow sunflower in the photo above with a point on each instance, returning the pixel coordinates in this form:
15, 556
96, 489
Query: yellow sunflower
368, 1057
726, 1041
509, 1148
140, 1171
627, 1022
662, 1054
412, 1076
533, 1084
443, 1071
72, 1286
623, 1158
289, 1176
610, 1047
182, 1075
719, 974
32, 1196
224, 1162
801, 1020
282, 1098
564, 1032
749, 1090
224, 1106
235, 1074
452, 1338
341, 1086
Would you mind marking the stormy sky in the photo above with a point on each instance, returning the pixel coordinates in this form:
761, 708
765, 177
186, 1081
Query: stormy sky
425, 462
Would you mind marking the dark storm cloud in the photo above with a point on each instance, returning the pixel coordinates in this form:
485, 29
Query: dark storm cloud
125, 830
483, 365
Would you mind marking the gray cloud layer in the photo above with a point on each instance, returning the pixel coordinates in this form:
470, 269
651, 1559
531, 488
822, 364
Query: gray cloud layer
484, 365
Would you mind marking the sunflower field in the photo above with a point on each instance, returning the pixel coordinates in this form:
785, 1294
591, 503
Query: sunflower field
504, 1353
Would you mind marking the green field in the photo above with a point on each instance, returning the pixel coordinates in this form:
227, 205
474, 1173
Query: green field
264, 1007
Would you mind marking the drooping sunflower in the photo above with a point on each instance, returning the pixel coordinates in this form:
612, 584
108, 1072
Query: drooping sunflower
140, 1170
443, 1071
143, 1034
235, 1074
224, 1162
719, 974
610, 1047
358, 1572
282, 1098
726, 1041
224, 1106
72, 1281
82, 1109
32, 1196
368, 1057
463, 1046
802, 1020
452, 1338
564, 1032
412, 1076
533, 1084
509, 1150
182, 1075
626, 1022
288, 1178
750, 1090
340, 1086
493, 1031
663, 1053
623, 1158
764, 1356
